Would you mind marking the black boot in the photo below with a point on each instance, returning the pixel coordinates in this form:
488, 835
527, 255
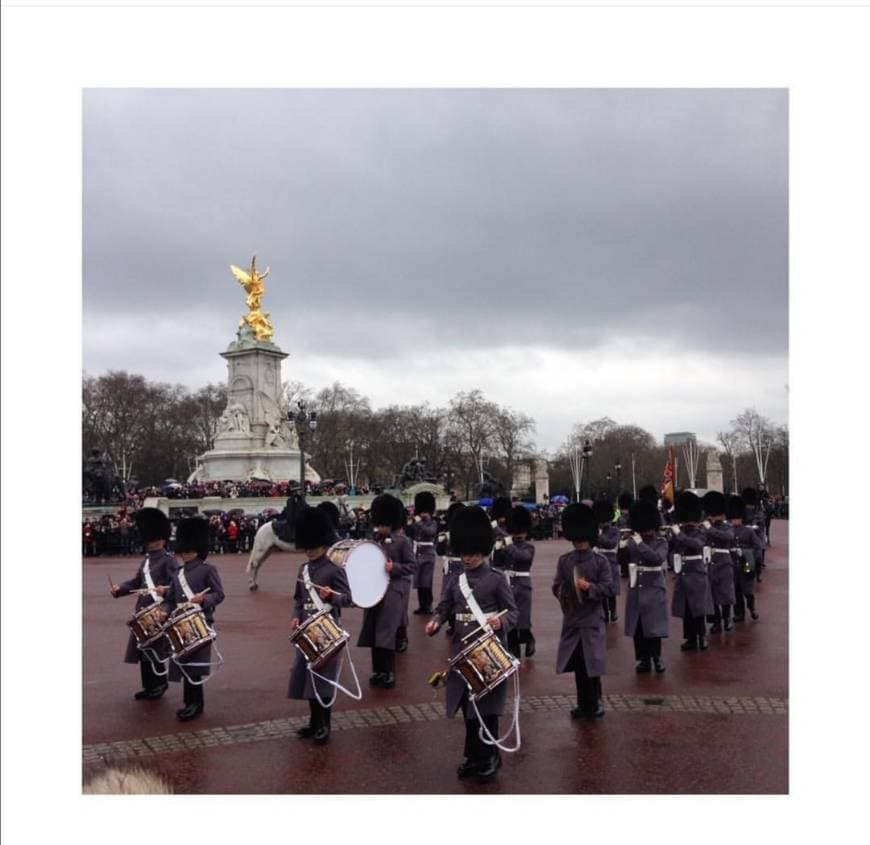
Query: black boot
702, 643
530, 643
307, 731
488, 769
643, 666
690, 645
194, 699
321, 735
402, 639
660, 667
726, 618
153, 685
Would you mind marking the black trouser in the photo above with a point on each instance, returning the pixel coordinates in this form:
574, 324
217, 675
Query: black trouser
424, 597
646, 648
475, 748
694, 627
588, 689
609, 605
721, 613
150, 679
321, 716
743, 600
401, 634
193, 693
382, 660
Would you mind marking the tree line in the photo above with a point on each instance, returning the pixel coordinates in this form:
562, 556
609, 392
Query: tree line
151, 431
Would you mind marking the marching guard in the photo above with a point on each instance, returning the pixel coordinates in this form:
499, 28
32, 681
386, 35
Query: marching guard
153, 578
754, 517
452, 564
624, 503
500, 509
477, 594
423, 532
583, 579
747, 551
321, 585
381, 623
692, 600
720, 539
197, 582
646, 605
519, 557
607, 544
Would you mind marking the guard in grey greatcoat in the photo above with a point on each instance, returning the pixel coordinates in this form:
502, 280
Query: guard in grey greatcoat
452, 564
625, 501
499, 511
747, 551
692, 600
646, 606
189, 584
329, 590
720, 539
382, 622
471, 536
607, 544
519, 557
423, 532
583, 579
155, 575
755, 516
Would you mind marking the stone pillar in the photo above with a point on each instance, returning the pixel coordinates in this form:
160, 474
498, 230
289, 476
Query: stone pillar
522, 480
542, 481
714, 471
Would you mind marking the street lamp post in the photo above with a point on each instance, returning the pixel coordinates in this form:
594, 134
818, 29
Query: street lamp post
305, 421
618, 467
587, 457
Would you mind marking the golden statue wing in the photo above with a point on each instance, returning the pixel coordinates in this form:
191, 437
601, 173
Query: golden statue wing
240, 274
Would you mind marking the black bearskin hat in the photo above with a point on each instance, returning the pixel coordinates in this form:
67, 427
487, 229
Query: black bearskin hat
454, 507
643, 516
192, 536
471, 532
388, 510
625, 501
713, 503
579, 524
331, 510
736, 508
750, 496
519, 520
153, 525
603, 510
314, 528
687, 508
501, 507
424, 502
649, 494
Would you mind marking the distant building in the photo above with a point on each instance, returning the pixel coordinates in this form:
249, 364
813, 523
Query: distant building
679, 438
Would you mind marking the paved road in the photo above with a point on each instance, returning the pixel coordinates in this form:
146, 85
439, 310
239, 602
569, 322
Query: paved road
715, 722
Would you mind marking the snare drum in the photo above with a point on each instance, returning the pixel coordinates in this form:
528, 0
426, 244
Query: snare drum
364, 563
484, 665
147, 626
319, 638
187, 630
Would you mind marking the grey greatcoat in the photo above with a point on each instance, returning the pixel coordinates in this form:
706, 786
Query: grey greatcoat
323, 573
163, 565
519, 558
586, 622
499, 556
381, 622
200, 574
492, 593
424, 534
608, 543
746, 539
647, 601
720, 538
692, 595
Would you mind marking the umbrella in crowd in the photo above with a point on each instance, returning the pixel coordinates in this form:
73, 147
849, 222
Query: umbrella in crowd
559, 500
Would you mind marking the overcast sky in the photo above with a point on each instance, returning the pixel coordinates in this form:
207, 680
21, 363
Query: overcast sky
573, 253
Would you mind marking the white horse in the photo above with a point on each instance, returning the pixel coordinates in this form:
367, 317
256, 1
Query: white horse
265, 542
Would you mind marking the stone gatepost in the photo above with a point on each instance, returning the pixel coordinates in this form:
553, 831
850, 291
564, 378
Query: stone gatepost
714, 471
542, 481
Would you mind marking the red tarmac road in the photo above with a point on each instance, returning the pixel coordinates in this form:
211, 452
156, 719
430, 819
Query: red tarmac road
715, 722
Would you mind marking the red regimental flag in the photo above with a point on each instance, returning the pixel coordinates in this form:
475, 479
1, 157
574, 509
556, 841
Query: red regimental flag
668, 478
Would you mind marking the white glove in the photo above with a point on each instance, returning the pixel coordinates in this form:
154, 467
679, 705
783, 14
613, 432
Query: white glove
637, 538
675, 529
706, 523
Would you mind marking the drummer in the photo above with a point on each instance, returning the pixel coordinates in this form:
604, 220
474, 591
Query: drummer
484, 591
189, 584
321, 585
382, 621
155, 575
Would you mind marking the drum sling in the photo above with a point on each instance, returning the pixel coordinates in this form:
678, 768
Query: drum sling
189, 594
149, 652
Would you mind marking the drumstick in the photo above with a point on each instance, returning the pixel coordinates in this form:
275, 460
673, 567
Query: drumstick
480, 627
111, 582
320, 587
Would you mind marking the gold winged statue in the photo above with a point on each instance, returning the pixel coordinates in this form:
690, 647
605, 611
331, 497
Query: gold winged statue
252, 282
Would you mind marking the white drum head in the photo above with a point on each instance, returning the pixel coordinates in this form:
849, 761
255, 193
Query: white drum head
366, 574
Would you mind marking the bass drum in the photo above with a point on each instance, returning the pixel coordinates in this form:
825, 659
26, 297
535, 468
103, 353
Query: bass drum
364, 562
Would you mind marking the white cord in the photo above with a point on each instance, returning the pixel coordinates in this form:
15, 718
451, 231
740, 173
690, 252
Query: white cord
153, 659
335, 684
484, 733
190, 663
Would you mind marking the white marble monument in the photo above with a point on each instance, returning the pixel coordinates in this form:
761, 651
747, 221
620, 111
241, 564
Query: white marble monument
714, 471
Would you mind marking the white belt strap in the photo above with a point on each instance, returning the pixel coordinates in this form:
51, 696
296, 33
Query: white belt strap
315, 596
512, 573
633, 569
473, 606
149, 582
603, 551
185, 587
721, 551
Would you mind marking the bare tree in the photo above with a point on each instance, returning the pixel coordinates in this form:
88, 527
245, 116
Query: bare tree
758, 433
732, 444
510, 430
470, 433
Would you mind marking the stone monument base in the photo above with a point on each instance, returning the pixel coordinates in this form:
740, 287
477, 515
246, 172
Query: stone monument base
247, 464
